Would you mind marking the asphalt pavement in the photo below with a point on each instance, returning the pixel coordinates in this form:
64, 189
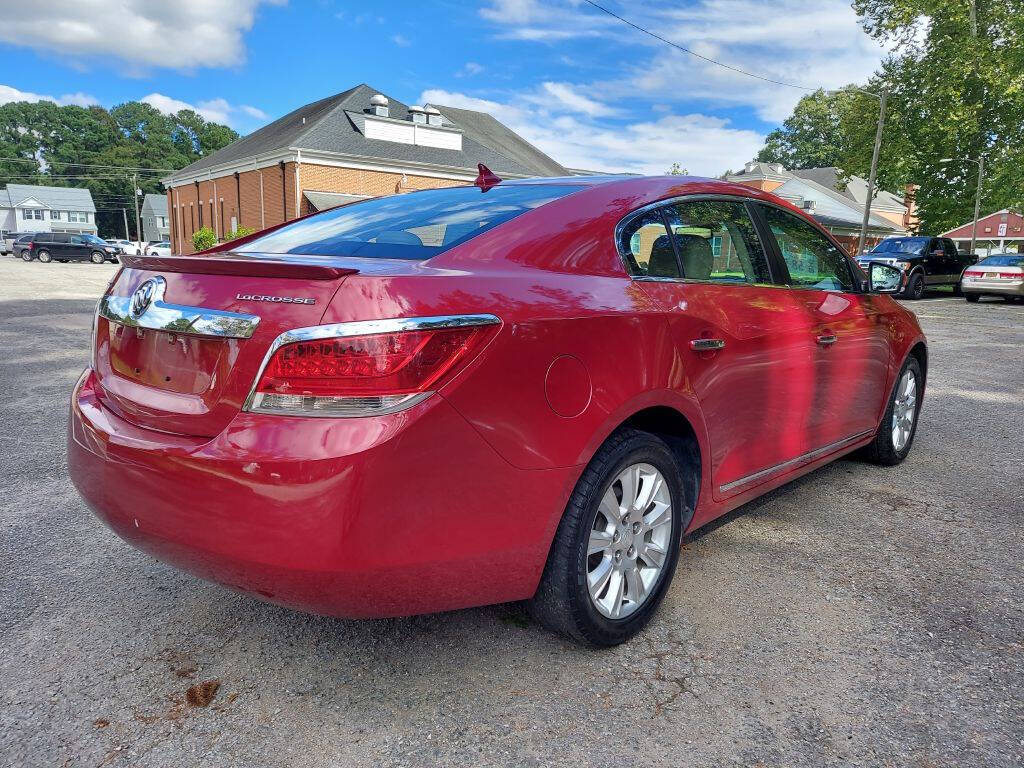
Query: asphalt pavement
858, 616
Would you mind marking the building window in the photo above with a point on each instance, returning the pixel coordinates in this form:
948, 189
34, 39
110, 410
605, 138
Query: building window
56, 215
77, 217
35, 214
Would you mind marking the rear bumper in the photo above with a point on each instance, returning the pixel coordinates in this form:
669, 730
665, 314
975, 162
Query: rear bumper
387, 516
992, 287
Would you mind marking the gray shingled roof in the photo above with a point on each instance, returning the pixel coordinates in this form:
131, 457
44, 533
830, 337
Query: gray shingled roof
335, 124
829, 177
59, 198
485, 130
155, 205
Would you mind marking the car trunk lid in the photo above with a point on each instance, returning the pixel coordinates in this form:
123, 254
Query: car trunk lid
179, 340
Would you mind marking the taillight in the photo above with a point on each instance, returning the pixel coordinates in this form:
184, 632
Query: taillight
973, 273
1011, 275
366, 368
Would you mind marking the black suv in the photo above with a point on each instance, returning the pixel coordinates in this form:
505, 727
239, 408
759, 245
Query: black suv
926, 261
65, 246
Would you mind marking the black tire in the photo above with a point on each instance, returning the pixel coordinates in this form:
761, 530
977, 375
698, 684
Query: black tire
562, 602
915, 287
882, 450
957, 289
44, 257
97, 258
26, 255
974, 298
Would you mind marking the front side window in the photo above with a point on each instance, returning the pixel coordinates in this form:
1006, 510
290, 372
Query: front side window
646, 248
418, 225
717, 242
813, 261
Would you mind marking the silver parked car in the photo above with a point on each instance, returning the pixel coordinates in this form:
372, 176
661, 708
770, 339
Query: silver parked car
1001, 274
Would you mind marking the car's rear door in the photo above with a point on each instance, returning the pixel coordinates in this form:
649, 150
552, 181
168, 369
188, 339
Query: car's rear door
741, 341
848, 328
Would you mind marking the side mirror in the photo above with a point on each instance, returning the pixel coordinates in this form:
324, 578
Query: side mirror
883, 278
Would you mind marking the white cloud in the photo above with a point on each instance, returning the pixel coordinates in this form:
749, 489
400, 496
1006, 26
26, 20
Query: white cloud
216, 110
469, 69
817, 43
400, 41
705, 145
185, 34
254, 112
8, 94
565, 97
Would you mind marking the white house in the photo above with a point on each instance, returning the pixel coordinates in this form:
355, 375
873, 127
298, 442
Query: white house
27, 208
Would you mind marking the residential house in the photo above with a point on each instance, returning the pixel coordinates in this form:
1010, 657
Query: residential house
155, 225
997, 232
836, 204
29, 208
356, 144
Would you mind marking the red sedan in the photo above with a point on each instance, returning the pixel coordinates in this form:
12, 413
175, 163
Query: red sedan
526, 390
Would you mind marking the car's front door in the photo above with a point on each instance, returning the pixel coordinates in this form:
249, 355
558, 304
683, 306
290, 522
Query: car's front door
848, 326
742, 343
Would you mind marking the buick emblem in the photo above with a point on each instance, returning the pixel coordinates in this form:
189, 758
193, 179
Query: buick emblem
145, 295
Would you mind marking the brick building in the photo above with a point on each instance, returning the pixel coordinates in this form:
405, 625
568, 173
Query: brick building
352, 145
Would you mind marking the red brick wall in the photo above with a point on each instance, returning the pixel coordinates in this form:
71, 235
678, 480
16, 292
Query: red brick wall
278, 198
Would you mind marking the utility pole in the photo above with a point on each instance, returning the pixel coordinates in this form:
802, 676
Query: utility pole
135, 197
977, 201
874, 173
125, 214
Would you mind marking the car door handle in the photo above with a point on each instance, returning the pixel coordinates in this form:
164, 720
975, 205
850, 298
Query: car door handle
706, 345
827, 339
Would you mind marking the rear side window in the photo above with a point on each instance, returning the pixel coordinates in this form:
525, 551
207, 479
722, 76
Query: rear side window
645, 245
419, 225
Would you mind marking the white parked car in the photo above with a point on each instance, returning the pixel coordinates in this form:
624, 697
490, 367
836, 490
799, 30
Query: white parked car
159, 249
126, 246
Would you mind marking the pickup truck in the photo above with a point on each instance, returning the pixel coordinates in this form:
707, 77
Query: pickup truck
925, 261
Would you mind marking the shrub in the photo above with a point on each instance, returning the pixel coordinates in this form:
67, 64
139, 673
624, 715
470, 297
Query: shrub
204, 238
240, 232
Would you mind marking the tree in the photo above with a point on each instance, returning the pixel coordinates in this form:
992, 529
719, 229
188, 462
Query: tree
956, 90
42, 143
813, 136
677, 170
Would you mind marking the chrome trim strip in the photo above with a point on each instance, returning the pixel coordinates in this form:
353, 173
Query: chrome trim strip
802, 459
178, 318
364, 328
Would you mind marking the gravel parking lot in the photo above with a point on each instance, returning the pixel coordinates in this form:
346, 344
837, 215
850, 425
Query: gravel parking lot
859, 616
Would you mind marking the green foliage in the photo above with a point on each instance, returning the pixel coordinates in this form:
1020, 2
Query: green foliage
677, 170
813, 136
204, 238
42, 143
240, 232
954, 92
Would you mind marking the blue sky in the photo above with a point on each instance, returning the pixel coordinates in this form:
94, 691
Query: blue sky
588, 90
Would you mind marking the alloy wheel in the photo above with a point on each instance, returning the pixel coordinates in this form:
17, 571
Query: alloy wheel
629, 541
904, 410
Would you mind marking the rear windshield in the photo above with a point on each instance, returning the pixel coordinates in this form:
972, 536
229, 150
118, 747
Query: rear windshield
418, 225
1003, 260
901, 245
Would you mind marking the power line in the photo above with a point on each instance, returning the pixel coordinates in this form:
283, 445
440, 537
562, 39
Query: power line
85, 165
694, 53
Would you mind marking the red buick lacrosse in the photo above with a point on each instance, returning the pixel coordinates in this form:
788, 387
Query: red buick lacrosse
524, 390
